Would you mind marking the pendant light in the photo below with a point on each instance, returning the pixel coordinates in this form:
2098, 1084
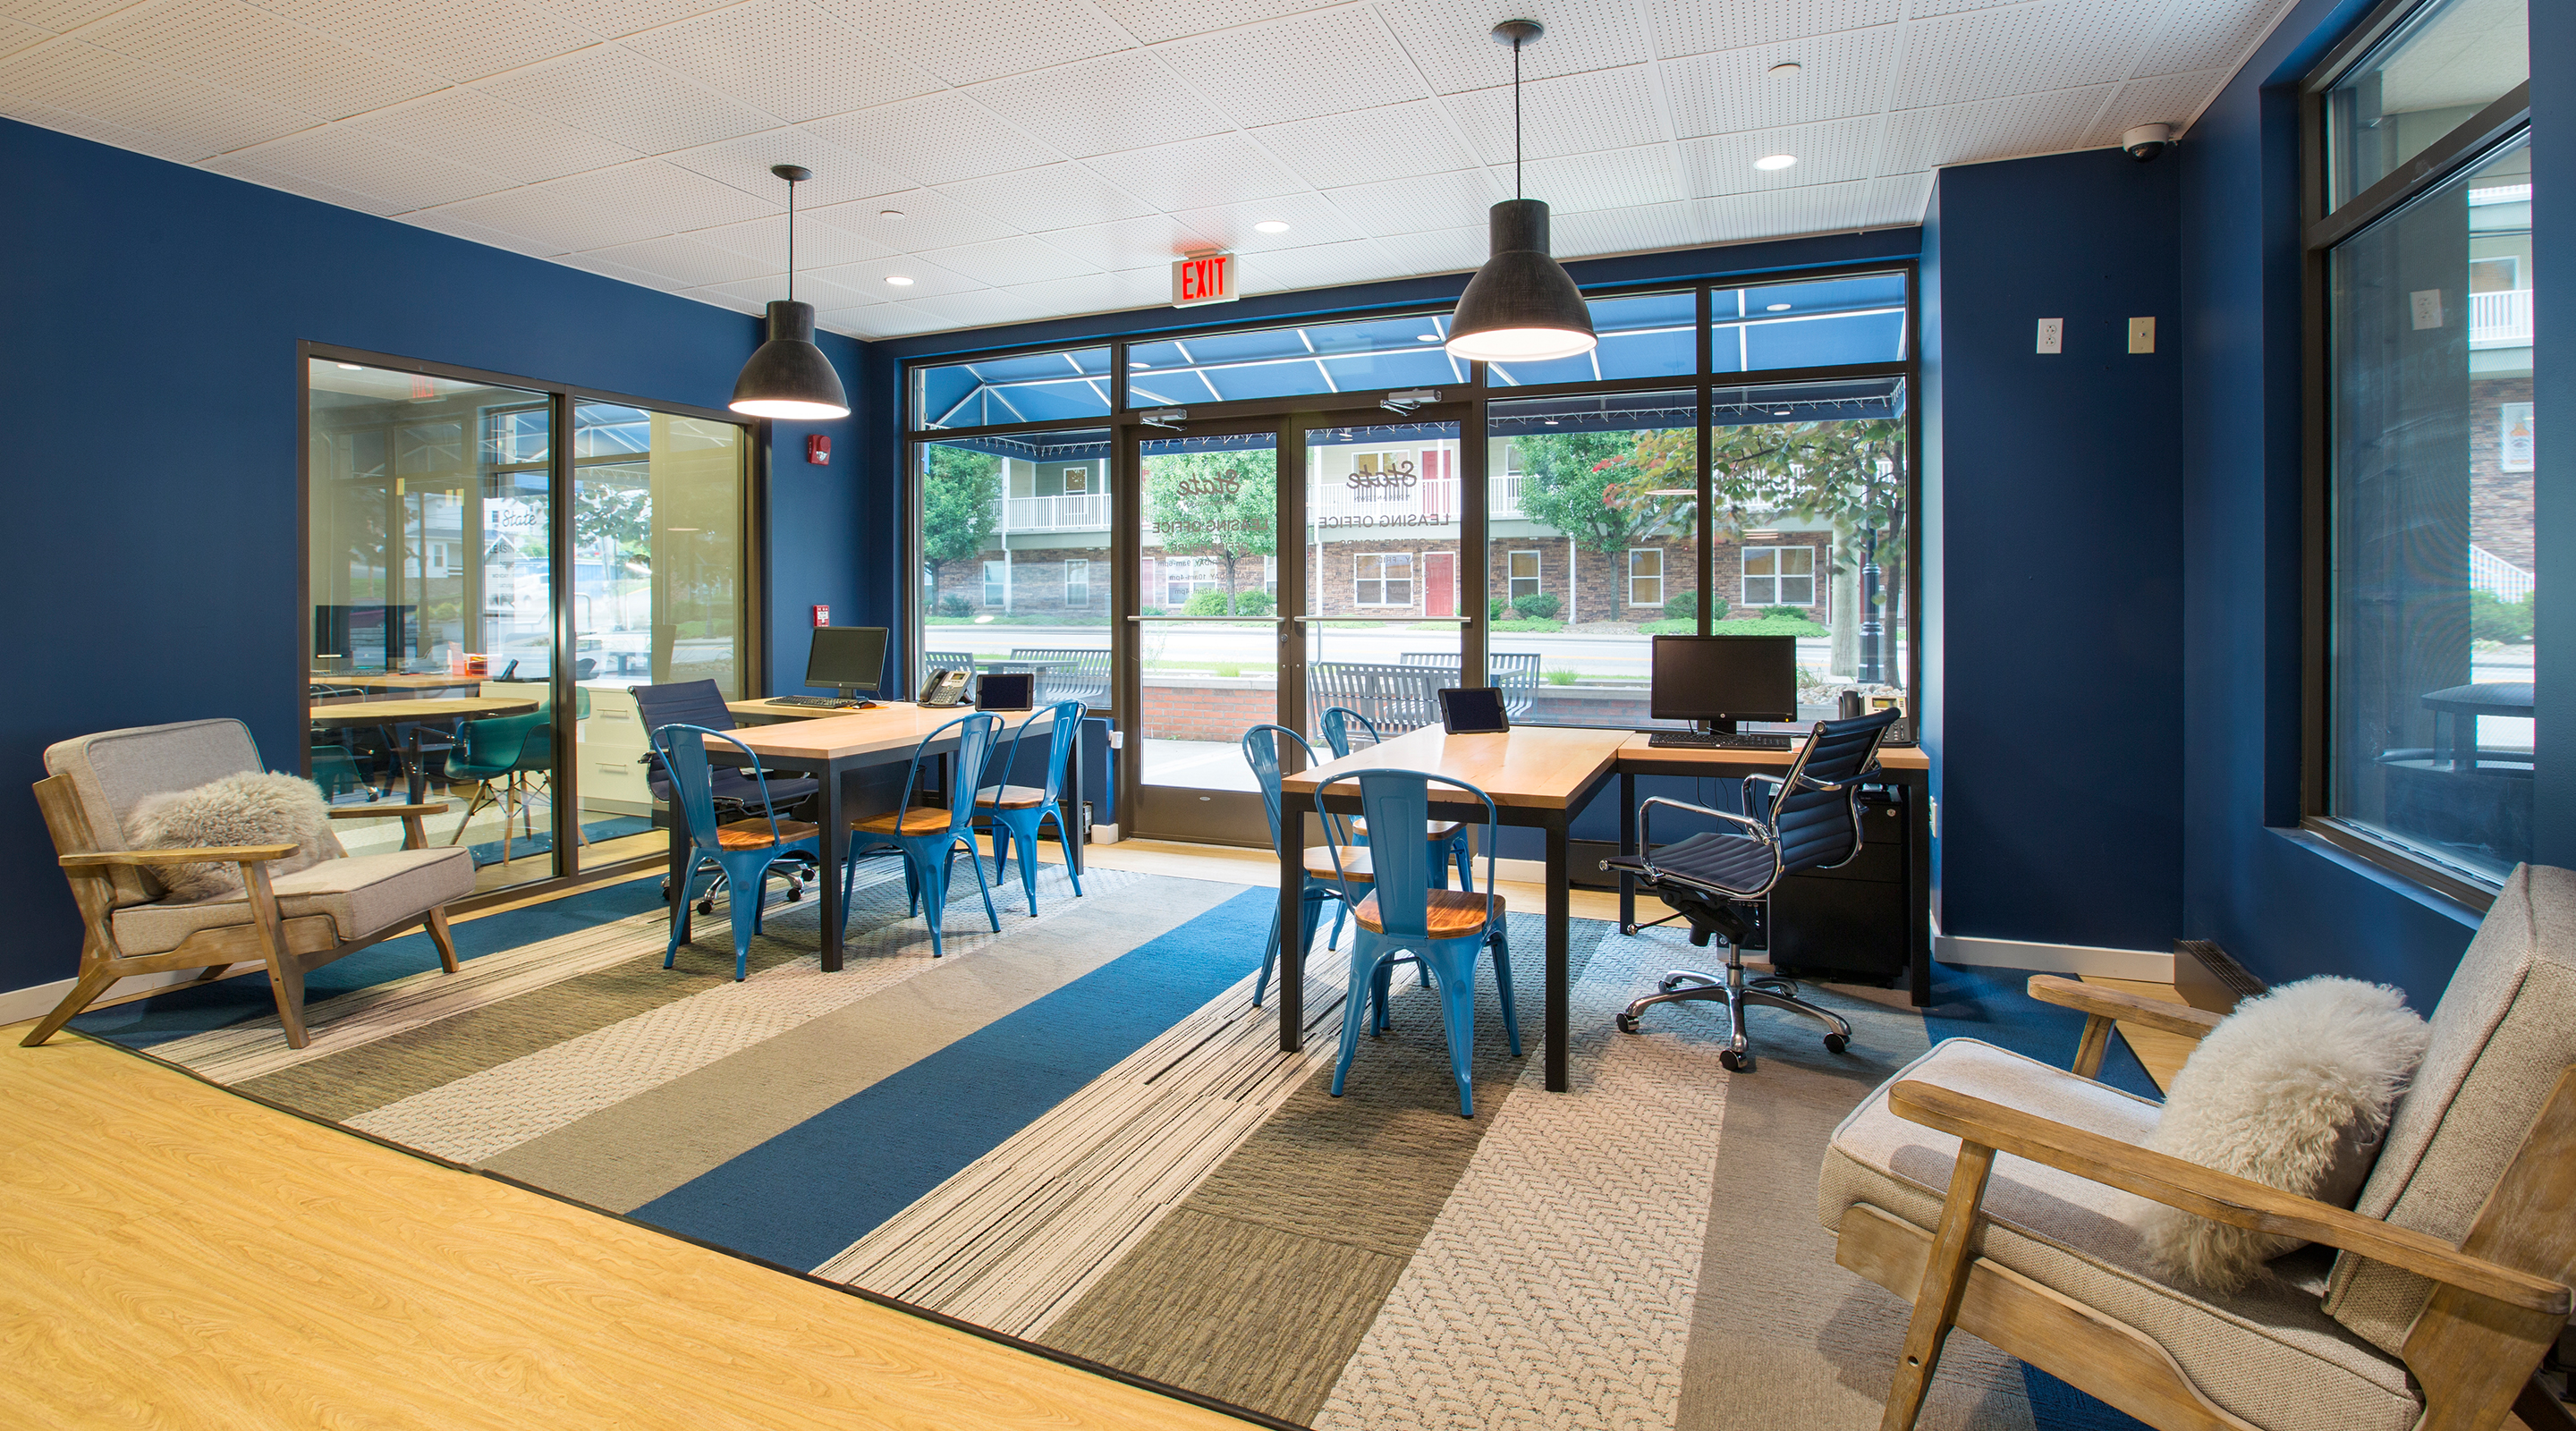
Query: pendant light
1522, 306
788, 376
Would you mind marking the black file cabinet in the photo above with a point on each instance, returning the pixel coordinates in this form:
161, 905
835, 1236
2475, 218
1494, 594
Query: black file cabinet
1848, 923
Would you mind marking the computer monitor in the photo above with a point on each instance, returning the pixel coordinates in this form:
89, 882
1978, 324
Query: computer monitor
847, 658
1724, 679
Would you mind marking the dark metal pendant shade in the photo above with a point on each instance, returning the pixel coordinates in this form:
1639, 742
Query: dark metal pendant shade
788, 376
1522, 306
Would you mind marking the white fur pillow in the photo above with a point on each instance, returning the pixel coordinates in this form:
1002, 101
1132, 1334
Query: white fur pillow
252, 808
2292, 1090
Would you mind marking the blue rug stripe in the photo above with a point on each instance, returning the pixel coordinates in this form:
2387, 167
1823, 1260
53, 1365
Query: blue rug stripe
542, 842
1992, 1005
201, 1008
801, 1197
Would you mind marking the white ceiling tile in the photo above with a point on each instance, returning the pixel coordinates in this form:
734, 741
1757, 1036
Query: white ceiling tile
1438, 250
561, 224
1099, 293
1322, 63
1610, 179
1900, 199
1636, 230
60, 17
97, 84
893, 320
787, 57
1311, 219
610, 268
1732, 91
2207, 34
1431, 201
1829, 153
2164, 99
620, 97
1693, 27
609, 19
980, 309
1819, 208
135, 140
252, 52
1054, 196
717, 294
1153, 21
234, 166
754, 294
15, 37
682, 261
2015, 49
1991, 129
475, 38
356, 161
1010, 260
839, 175
1456, 48
964, 41
1124, 101
1613, 109
469, 127
936, 139
818, 245
929, 220
1315, 266
449, 223
1156, 239
928, 279
1390, 141
1197, 174
667, 196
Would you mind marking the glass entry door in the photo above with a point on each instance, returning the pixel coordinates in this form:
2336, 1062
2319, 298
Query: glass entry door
1384, 612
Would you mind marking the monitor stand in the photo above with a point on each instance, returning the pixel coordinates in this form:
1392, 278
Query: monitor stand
860, 694
1723, 725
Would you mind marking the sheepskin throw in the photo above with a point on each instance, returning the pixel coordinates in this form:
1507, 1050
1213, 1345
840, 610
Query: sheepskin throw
2292, 1090
252, 808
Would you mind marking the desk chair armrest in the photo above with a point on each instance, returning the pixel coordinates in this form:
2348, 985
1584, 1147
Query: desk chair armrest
2218, 1196
199, 855
2101, 1006
1646, 830
369, 812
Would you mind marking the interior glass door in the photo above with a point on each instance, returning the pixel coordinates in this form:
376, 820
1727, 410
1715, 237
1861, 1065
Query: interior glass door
1384, 612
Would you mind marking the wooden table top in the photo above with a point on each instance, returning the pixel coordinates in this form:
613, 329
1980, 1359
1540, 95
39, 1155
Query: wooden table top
394, 712
1890, 757
1533, 767
392, 680
841, 735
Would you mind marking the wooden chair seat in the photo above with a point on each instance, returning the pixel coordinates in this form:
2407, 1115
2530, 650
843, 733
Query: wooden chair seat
1453, 913
1355, 863
1009, 797
753, 834
1438, 832
917, 821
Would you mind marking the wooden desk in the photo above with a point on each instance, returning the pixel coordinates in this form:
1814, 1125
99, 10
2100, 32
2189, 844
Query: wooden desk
1538, 776
1903, 766
830, 745
761, 710
395, 681
402, 720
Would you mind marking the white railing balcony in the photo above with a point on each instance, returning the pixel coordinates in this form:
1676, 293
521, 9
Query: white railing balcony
1073, 512
2501, 319
2489, 572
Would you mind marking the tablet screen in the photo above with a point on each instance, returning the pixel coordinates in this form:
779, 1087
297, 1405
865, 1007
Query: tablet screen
1004, 691
1467, 709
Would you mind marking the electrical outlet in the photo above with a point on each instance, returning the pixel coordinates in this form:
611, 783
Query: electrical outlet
2052, 335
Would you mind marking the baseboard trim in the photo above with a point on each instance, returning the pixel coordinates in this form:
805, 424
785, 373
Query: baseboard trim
36, 1001
2147, 965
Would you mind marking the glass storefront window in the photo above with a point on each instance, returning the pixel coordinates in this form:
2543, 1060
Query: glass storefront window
1649, 337
1359, 356
1024, 387
1383, 503
1818, 323
2433, 546
1015, 556
2443, 65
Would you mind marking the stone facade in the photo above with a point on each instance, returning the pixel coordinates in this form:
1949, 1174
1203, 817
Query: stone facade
2500, 502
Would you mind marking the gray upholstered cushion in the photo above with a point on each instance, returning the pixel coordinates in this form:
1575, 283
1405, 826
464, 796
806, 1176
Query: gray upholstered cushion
2268, 1353
361, 894
114, 770
2505, 1029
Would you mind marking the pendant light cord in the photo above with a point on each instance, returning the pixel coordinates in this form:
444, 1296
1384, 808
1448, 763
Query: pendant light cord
1516, 121
791, 240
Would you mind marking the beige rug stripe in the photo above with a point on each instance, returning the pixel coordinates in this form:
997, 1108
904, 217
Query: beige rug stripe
1780, 1335
625, 1153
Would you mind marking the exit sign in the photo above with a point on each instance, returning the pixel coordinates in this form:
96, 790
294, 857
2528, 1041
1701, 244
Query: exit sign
1203, 278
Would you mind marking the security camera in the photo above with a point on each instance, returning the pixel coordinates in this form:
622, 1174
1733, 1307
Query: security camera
2147, 141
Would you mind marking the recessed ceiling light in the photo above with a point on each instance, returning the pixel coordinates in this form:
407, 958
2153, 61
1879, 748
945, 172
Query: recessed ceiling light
898, 280
1271, 226
1775, 161
1426, 337
889, 213
1777, 308
1786, 69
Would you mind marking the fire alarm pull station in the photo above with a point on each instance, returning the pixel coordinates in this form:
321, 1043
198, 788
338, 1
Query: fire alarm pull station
818, 448
822, 616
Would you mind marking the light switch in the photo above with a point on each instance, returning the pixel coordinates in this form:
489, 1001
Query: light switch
2142, 335
2051, 333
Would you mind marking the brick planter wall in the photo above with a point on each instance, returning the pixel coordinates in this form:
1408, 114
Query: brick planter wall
1207, 707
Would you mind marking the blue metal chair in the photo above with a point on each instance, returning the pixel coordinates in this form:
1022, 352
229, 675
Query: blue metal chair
1446, 929
1449, 837
743, 850
1017, 810
926, 836
1261, 752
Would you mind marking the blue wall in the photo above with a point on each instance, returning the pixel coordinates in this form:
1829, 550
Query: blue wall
2285, 905
2056, 560
147, 355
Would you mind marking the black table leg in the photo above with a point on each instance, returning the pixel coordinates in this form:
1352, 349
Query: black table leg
1627, 847
1560, 954
1292, 951
835, 848
681, 859
415, 775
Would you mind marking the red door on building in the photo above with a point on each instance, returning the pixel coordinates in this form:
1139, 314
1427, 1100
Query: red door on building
1439, 583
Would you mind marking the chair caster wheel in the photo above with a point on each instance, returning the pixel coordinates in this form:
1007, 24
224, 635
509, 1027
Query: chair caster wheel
1627, 929
1627, 1023
795, 893
706, 906
1734, 1062
1836, 1043
1667, 984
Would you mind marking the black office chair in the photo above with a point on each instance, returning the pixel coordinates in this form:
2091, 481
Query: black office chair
1716, 878
737, 794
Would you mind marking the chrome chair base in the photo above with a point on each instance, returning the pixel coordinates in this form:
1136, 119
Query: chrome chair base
1734, 994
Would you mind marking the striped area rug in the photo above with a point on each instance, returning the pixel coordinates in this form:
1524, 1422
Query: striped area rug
1080, 1132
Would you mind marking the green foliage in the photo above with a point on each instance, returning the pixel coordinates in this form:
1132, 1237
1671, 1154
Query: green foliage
1255, 602
1495, 608
1528, 624
2492, 618
1684, 607
602, 511
1669, 627
1210, 602
959, 506
1788, 613
1597, 487
1228, 669
1541, 605
954, 605
1217, 504
1561, 678
1768, 626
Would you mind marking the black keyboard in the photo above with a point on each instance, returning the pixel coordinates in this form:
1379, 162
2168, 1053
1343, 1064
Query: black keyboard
1716, 740
828, 703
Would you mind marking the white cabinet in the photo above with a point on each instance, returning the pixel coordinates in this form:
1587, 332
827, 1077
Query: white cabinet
613, 743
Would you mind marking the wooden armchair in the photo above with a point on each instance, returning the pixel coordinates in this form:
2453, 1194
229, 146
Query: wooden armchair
292, 922
1987, 1187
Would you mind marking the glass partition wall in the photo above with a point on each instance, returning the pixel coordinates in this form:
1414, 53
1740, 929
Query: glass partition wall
443, 515
1202, 532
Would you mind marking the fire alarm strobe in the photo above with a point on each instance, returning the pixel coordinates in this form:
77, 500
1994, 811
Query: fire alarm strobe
818, 448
